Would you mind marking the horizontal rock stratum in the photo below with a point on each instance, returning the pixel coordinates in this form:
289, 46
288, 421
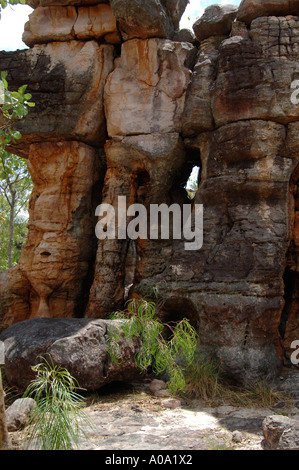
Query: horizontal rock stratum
125, 106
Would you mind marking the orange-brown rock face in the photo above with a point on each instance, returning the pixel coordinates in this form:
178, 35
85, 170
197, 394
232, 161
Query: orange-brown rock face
61, 240
134, 168
64, 23
145, 94
57, 260
125, 124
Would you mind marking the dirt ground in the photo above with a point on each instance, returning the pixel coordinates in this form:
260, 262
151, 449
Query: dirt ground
130, 418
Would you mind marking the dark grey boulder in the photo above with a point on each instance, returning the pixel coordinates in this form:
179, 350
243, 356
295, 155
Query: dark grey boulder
139, 19
78, 345
153, 18
216, 21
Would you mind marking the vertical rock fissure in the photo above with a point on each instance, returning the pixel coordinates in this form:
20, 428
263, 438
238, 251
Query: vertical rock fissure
289, 317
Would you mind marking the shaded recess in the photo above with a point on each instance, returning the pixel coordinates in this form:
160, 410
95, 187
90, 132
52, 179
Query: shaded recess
175, 309
288, 328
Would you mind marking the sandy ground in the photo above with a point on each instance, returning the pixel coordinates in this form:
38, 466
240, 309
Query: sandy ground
131, 419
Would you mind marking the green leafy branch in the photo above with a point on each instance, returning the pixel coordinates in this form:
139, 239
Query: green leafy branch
15, 181
4, 3
15, 107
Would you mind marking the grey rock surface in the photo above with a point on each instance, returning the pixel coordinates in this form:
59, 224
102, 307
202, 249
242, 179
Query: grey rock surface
78, 345
18, 414
216, 20
281, 432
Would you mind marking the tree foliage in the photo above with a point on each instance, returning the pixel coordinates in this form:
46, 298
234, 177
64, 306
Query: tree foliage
4, 3
13, 106
15, 181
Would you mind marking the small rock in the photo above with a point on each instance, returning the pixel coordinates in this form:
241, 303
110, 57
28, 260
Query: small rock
136, 408
162, 393
281, 433
184, 35
171, 403
17, 415
237, 436
157, 385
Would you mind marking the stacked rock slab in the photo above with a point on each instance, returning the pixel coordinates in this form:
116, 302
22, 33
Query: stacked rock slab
124, 110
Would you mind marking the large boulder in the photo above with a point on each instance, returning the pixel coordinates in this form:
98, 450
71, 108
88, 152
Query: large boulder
50, 24
61, 23
96, 21
251, 9
153, 18
78, 345
216, 21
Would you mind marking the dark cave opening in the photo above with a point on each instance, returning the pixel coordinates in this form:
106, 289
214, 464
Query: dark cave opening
175, 309
291, 294
289, 321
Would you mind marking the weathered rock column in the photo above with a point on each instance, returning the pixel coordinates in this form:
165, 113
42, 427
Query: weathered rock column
63, 138
144, 101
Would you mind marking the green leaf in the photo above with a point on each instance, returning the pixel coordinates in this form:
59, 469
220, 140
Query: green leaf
22, 89
16, 135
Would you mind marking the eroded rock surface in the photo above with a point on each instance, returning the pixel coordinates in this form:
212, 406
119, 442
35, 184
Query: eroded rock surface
132, 120
77, 344
281, 432
251, 9
216, 21
67, 81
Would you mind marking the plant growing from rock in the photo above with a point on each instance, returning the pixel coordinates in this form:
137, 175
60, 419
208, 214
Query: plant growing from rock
55, 423
167, 348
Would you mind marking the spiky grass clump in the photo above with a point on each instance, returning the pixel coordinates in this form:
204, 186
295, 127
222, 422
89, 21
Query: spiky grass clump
169, 356
55, 421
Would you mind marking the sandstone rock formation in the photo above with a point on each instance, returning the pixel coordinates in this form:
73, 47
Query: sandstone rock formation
125, 110
251, 9
216, 21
